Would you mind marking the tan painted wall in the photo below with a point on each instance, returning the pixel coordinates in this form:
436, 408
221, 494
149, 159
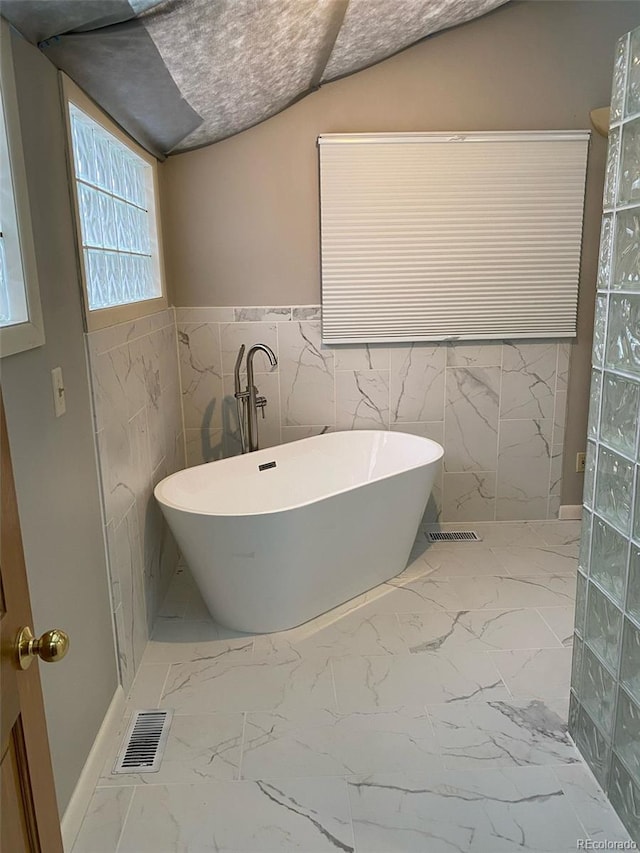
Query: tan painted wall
54, 459
241, 217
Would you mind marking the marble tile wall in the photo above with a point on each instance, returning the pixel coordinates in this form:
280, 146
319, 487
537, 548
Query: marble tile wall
605, 702
138, 422
498, 408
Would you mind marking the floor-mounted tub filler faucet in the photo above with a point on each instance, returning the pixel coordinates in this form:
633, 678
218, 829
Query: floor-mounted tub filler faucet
248, 402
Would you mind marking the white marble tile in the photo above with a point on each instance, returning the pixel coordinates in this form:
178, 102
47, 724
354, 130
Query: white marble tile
130, 569
301, 815
528, 380
559, 417
123, 652
203, 445
433, 430
507, 592
289, 433
362, 357
473, 811
475, 631
460, 560
233, 335
116, 469
117, 388
422, 594
564, 355
167, 347
388, 682
469, 497
324, 743
200, 748
536, 673
560, 620
178, 594
590, 804
362, 399
103, 821
307, 395
306, 312
558, 532
524, 460
178, 641
255, 315
417, 383
361, 631
147, 687
201, 375
556, 560
512, 733
488, 354
471, 419
207, 686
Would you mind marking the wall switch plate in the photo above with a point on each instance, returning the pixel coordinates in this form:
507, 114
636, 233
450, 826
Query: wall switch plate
581, 463
59, 402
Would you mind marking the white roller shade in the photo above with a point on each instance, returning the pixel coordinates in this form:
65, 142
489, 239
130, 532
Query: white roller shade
433, 236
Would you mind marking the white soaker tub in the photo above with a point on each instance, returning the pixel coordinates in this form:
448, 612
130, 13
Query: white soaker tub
273, 545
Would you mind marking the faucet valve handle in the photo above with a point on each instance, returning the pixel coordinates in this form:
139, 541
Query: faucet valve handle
261, 402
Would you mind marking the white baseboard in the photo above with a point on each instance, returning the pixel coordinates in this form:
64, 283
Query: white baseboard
570, 512
75, 811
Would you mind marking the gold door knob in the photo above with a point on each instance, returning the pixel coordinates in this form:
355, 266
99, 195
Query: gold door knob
51, 647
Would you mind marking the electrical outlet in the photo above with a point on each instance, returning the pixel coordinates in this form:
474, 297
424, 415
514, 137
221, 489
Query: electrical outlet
581, 462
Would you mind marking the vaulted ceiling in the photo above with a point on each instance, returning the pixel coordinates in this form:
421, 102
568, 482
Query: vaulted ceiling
179, 74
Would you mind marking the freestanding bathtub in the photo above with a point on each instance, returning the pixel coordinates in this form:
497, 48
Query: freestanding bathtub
278, 536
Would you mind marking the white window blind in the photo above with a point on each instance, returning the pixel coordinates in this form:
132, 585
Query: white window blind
434, 236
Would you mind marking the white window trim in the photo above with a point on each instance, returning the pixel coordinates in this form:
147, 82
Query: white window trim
30, 334
100, 318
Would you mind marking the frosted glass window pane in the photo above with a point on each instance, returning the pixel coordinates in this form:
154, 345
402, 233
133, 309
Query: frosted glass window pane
611, 175
633, 77
83, 148
589, 474
609, 559
630, 669
633, 592
623, 335
620, 411
598, 691
599, 330
626, 263
113, 196
614, 489
606, 246
90, 215
102, 175
138, 185
604, 627
619, 79
629, 186
594, 403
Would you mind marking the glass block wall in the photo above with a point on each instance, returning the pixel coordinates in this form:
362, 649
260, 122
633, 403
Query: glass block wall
605, 695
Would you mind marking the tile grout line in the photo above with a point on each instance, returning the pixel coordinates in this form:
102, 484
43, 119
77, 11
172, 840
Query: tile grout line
242, 745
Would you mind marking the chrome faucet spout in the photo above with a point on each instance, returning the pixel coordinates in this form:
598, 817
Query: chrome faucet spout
248, 401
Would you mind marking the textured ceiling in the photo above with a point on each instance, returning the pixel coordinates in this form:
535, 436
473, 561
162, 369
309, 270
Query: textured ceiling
179, 74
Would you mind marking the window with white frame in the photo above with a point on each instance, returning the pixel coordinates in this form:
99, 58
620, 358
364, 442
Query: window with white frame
21, 325
116, 205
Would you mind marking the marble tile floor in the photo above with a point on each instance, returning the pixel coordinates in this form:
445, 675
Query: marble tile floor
427, 715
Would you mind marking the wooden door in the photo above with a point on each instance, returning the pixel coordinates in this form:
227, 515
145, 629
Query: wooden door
28, 810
